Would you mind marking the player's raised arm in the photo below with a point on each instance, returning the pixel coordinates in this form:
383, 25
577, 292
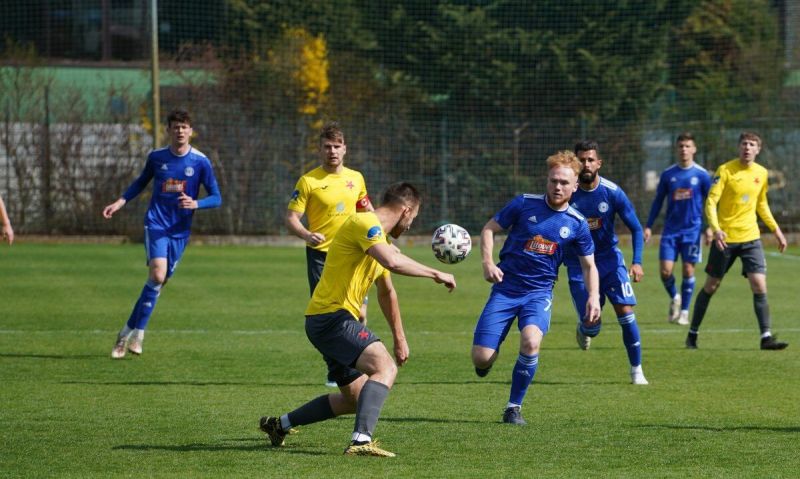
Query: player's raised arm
396, 262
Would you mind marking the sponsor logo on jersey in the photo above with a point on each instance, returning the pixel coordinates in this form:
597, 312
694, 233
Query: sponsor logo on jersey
539, 244
339, 207
682, 194
188, 171
295, 195
564, 232
602, 207
374, 233
594, 223
172, 185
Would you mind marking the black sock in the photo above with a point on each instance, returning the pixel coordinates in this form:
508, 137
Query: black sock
700, 306
762, 311
370, 402
316, 410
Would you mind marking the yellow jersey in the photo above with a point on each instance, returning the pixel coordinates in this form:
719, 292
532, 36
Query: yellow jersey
349, 271
327, 199
737, 194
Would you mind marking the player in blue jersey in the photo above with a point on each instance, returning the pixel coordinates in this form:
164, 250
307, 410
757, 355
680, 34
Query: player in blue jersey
177, 172
600, 201
540, 229
685, 185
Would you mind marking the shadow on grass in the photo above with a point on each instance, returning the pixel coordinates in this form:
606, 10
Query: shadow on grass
787, 429
257, 445
51, 356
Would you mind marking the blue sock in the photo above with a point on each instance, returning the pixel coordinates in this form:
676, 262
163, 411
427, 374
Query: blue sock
522, 376
631, 338
669, 285
144, 306
591, 331
687, 290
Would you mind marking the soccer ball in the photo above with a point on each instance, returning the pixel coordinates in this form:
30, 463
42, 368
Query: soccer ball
451, 243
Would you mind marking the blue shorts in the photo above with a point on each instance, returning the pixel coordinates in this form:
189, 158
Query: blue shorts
500, 310
685, 244
158, 244
615, 284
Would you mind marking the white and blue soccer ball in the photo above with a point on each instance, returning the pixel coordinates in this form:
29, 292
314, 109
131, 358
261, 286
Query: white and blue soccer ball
451, 243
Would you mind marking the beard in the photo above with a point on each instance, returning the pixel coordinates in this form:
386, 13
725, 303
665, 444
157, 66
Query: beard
587, 177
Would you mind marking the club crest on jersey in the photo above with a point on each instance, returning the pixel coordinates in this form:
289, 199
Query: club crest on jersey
188, 171
374, 233
694, 181
564, 232
172, 185
539, 244
682, 194
602, 207
594, 223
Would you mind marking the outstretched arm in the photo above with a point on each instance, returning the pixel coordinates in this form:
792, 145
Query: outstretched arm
396, 262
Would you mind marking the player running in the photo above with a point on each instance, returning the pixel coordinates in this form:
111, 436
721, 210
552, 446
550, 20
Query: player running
177, 172
600, 201
685, 186
541, 228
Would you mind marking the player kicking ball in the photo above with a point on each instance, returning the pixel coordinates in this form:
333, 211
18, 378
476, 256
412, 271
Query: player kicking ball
177, 172
540, 229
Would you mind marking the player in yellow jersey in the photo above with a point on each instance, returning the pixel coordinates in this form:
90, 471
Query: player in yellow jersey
739, 193
359, 255
327, 196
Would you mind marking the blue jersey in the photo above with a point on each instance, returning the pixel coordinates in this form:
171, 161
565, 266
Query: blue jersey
173, 175
538, 238
600, 207
686, 190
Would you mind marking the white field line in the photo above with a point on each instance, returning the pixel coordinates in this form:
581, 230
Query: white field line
783, 255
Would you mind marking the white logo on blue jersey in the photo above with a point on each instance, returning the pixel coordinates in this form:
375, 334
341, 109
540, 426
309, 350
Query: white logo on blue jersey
164, 166
564, 232
602, 207
694, 180
532, 219
188, 171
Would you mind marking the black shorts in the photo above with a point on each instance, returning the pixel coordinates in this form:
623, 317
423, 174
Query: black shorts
751, 253
341, 340
315, 260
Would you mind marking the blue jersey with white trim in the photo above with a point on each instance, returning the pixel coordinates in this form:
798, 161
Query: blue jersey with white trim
686, 190
537, 240
600, 206
173, 175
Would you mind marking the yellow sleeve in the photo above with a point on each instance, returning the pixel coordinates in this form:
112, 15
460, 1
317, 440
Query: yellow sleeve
300, 196
714, 194
762, 208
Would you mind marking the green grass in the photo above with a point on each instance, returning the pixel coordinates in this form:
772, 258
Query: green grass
226, 346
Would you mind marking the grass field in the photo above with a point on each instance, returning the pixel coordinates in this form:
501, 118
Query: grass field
226, 346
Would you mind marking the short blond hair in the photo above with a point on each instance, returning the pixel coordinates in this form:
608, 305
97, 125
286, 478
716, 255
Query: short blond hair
751, 136
564, 158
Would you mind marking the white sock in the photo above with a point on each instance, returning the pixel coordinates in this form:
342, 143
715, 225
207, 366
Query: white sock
125, 332
766, 335
636, 369
285, 424
359, 437
138, 334
511, 404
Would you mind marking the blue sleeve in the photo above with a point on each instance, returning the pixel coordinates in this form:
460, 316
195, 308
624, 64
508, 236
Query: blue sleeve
214, 198
140, 183
510, 212
628, 215
658, 201
584, 245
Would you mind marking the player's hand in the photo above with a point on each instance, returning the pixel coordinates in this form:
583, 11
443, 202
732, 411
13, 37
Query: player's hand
647, 234
781, 240
109, 210
8, 234
400, 351
315, 238
447, 279
709, 236
592, 311
719, 240
186, 202
492, 273
636, 272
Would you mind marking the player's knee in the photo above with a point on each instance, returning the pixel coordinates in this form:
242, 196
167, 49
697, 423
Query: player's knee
483, 357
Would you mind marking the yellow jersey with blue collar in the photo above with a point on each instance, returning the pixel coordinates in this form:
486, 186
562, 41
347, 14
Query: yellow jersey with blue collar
738, 193
349, 271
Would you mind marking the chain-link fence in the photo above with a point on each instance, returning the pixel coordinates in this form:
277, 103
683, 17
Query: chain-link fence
464, 98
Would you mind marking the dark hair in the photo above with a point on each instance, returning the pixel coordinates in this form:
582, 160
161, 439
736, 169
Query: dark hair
331, 131
586, 145
179, 116
685, 136
401, 194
